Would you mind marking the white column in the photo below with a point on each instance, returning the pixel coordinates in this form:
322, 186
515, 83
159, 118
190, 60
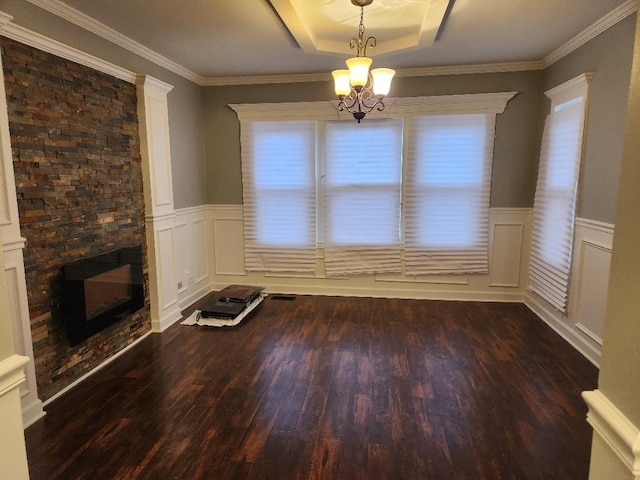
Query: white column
13, 455
153, 117
614, 409
12, 246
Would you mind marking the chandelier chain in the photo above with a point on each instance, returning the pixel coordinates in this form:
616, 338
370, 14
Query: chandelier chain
359, 43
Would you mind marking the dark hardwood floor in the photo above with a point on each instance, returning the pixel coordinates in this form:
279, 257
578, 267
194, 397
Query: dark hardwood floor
331, 388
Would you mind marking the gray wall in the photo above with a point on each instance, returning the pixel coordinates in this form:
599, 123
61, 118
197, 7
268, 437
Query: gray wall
204, 132
609, 57
185, 100
517, 129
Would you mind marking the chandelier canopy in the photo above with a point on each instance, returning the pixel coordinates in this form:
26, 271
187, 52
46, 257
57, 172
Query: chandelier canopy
361, 90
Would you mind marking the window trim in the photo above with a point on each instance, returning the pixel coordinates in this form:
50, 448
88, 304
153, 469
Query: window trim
407, 107
404, 107
552, 281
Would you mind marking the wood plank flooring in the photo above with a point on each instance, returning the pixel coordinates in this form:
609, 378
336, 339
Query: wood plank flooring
331, 388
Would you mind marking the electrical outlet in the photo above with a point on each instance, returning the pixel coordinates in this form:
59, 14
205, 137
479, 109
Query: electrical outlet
179, 284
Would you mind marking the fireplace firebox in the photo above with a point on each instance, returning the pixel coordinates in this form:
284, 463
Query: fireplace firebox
102, 290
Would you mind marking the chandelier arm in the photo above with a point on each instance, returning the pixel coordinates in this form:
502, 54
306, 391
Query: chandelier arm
368, 95
348, 102
371, 42
375, 104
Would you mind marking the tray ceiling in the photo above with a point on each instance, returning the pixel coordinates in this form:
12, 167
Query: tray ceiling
327, 27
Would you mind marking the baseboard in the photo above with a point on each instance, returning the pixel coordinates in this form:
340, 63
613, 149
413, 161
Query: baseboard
94, 370
32, 413
618, 433
386, 292
168, 318
193, 297
551, 318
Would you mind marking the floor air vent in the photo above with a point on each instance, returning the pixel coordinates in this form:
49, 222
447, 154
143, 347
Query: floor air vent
286, 298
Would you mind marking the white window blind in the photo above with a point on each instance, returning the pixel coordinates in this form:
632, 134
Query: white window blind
555, 200
362, 178
279, 193
447, 190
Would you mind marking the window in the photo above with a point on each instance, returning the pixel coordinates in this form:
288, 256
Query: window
353, 206
361, 196
279, 196
556, 192
448, 184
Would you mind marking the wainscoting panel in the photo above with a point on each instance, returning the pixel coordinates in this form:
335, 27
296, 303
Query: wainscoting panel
167, 266
433, 279
583, 324
199, 258
32, 409
13, 300
192, 254
506, 252
592, 286
228, 243
509, 226
163, 284
182, 261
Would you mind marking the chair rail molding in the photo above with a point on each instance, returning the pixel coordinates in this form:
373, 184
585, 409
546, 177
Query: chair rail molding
13, 455
617, 432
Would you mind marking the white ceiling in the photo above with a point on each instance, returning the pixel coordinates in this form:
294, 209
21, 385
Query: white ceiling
221, 38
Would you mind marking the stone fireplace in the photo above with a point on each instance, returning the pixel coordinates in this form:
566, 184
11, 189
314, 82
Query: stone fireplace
77, 163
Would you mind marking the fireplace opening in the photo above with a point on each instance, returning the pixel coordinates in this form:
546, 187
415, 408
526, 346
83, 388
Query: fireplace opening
101, 291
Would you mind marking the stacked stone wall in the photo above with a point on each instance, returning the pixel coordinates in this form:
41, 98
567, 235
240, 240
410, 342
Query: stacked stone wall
77, 165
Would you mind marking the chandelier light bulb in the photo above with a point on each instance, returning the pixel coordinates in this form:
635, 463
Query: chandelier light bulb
382, 80
342, 82
359, 70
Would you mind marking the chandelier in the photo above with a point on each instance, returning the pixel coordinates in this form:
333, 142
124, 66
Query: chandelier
361, 90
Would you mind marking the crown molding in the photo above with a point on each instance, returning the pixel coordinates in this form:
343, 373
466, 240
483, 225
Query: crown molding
405, 72
78, 18
470, 69
266, 79
33, 39
146, 81
84, 21
606, 22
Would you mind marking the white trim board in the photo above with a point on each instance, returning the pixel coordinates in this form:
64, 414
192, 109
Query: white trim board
12, 373
606, 22
36, 40
620, 435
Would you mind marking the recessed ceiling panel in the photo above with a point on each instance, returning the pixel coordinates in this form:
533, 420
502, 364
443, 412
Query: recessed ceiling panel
328, 26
